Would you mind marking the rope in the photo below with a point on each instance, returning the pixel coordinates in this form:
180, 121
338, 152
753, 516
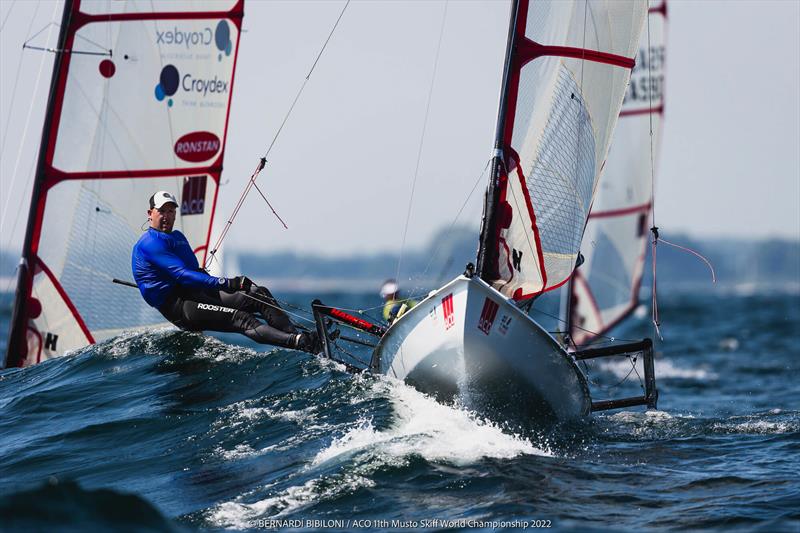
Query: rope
278, 307
349, 353
623, 380
236, 209
263, 160
706, 261
286, 305
421, 140
270, 205
653, 229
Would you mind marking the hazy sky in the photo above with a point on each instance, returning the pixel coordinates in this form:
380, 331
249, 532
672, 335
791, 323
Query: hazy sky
341, 173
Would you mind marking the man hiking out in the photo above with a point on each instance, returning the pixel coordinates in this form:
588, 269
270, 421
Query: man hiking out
171, 280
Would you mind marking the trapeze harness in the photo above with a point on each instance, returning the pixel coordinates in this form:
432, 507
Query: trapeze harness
170, 279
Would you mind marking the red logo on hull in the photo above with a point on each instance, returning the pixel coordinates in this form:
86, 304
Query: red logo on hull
197, 146
488, 315
447, 309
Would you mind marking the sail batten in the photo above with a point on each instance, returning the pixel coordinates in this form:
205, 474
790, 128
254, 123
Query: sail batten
569, 67
152, 115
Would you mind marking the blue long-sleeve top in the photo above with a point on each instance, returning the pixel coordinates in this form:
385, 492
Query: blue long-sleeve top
161, 261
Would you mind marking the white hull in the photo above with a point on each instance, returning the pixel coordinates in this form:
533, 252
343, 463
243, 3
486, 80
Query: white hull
468, 342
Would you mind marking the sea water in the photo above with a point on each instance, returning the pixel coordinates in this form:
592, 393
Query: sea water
168, 430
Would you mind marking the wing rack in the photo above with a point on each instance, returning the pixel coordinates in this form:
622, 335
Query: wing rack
325, 317
645, 347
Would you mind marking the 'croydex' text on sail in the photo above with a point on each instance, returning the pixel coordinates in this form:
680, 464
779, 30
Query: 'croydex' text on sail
190, 38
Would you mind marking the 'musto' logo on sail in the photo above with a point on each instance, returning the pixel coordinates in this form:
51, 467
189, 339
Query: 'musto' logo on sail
197, 146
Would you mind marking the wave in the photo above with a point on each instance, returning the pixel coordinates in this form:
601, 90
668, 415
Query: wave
419, 429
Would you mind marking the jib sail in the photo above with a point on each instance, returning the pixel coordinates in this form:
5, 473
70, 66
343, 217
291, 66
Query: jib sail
606, 287
138, 103
567, 69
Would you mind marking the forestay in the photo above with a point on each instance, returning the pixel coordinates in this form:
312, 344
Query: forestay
569, 66
148, 113
606, 287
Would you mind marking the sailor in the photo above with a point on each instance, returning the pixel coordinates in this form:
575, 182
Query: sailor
171, 280
394, 306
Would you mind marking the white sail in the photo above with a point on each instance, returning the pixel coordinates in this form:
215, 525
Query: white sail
139, 102
606, 287
570, 66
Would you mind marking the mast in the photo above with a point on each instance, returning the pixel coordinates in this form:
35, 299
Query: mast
487, 256
17, 337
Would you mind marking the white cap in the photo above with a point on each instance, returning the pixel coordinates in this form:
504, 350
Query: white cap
388, 288
159, 199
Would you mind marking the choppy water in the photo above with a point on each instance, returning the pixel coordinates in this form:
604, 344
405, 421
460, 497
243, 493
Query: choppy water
169, 430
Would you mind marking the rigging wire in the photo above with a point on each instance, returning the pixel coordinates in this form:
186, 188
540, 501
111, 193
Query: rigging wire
105, 51
278, 307
10, 9
14, 95
24, 134
422, 139
263, 161
653, 229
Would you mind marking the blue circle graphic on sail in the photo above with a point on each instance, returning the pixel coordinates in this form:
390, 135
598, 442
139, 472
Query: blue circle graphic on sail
222, 38
169, 79
168, 83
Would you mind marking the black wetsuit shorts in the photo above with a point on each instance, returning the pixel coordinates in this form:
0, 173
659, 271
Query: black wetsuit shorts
238, 312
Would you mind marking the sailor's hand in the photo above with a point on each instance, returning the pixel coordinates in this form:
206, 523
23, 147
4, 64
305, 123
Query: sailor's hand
239, 283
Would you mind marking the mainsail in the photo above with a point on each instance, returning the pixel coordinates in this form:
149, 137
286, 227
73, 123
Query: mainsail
568, 67
606, 288
139, 102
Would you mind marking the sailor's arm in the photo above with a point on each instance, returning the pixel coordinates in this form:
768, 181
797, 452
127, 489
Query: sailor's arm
166, 261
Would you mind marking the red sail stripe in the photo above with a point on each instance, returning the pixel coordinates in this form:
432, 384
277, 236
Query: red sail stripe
529, 50
235, 15
631, 112
66, 298
644, 208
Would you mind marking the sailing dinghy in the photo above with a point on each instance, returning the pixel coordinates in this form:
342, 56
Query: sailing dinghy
139, 102
567, 68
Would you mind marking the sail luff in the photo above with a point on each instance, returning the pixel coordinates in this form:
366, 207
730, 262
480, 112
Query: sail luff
18, 325
487, 250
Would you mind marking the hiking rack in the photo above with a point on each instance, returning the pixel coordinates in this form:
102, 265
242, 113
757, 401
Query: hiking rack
645, 347
325, 316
